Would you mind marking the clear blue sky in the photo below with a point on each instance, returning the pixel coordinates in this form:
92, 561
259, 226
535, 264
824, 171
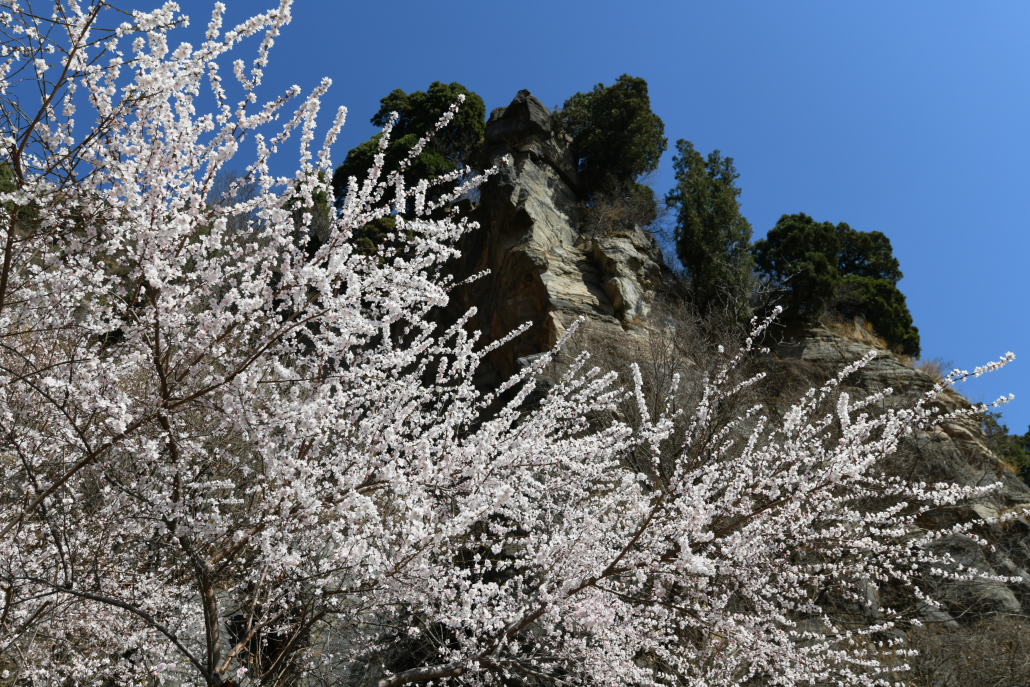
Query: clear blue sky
907, 118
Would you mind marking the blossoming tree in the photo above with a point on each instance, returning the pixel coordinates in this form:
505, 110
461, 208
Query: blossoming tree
229, 459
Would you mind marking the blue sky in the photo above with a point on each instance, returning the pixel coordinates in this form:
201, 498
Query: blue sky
907, 118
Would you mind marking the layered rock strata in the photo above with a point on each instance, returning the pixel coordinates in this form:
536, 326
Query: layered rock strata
955, 451
543, 270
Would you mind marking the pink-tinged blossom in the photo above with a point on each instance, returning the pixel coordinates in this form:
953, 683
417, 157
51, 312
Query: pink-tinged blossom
209, 434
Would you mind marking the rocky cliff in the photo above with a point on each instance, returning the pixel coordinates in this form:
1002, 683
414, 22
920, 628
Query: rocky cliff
978, 635
543, 269
546, 269
956, 451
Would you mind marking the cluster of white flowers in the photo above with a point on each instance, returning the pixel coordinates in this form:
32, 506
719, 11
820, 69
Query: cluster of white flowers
222, 455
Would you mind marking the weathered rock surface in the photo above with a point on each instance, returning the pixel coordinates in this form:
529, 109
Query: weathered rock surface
956, 451
543, 270
973, 595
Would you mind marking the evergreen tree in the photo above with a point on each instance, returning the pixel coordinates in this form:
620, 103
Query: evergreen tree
866, 254
802, 253
712, 237
616, 138
459, 144
832, 267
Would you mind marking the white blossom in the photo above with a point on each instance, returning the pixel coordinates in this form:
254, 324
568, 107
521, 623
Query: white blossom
210, 434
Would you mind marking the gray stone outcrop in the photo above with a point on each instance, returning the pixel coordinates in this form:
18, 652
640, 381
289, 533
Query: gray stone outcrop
543, 269
955, 451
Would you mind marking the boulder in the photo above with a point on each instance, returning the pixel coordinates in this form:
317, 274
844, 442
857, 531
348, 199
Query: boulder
973, 594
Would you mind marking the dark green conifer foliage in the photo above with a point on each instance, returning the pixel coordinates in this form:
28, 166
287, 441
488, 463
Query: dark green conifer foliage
867, 254
616, 138
836, 267
429, 164
374, 234
713, 239
883, 306
1011, 448
23, 215
802, 253
460, 143
7, 183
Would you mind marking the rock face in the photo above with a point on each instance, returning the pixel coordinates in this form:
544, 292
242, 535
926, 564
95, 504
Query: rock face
956, 451
543, 270
547, 271
976, 616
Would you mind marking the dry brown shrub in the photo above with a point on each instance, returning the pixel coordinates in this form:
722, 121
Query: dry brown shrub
992, 653
935, 367
677, 341
855, 329
613, 210
608, 215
